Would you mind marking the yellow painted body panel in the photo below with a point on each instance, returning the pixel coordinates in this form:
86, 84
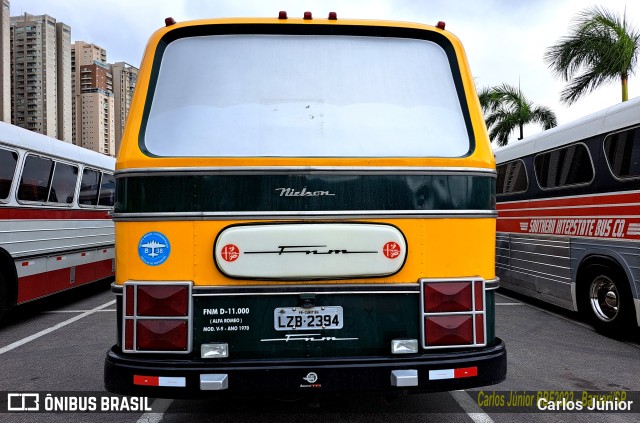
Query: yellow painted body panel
436, 248
130, 156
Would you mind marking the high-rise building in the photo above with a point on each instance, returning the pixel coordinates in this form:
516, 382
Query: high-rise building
93, 99
40, 78
5, 60
125, 77
63, 46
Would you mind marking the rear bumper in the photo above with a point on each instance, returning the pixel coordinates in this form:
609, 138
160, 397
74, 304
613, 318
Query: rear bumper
442, 371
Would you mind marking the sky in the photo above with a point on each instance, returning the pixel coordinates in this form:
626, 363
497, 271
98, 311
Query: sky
504, 40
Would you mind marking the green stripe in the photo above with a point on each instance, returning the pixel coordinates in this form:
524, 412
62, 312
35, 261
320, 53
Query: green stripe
331, 192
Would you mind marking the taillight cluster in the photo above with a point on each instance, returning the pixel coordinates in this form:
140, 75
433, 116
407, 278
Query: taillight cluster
156, 317
453, 313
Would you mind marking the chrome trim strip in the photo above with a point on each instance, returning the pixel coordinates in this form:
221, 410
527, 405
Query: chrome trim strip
286, 170
240, 294
491, 284
297, 289
527, 272
201, 291
565, 197
334, 214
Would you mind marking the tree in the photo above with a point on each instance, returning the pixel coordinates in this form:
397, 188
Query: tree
600, 48
505, 109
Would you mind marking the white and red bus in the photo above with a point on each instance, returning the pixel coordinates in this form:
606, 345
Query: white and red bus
56, 230
569, 217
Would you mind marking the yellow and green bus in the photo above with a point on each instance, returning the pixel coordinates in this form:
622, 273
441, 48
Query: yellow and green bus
304, 206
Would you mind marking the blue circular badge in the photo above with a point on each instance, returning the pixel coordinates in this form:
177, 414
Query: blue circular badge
154, 248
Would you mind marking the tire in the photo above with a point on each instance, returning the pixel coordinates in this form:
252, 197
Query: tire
3, 293
606, 300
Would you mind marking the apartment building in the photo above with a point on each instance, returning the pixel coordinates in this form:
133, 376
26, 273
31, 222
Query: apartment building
5, 60
93, 105
125, 77
41, 75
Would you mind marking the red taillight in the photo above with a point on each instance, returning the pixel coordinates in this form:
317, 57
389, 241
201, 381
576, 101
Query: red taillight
156, 317
161, 335
161, 300
449, 330
446, 297
453, 313
130, 303
128, 331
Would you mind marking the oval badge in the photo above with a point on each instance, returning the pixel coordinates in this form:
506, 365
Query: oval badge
310, 251
154, 248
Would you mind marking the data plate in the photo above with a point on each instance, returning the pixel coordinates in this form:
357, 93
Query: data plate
315, 318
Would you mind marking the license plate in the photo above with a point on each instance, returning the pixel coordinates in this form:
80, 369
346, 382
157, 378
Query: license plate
299, 318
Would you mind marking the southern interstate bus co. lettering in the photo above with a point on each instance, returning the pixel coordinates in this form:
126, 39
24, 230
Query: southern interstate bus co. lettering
613, 228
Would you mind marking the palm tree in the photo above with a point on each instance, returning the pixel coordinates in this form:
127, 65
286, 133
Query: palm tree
600, 48
505, 109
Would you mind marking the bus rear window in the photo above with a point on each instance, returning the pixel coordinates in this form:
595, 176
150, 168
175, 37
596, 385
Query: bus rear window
305, 96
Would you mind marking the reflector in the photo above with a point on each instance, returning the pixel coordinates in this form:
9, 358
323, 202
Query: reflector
444, 297
163, 300
449, 330
129, 307
161, 335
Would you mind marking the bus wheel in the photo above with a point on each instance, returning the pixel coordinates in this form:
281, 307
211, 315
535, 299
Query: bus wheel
606, 300
3, 293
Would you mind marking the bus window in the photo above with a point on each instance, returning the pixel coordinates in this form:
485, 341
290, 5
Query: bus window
564, 167
344, 96
63, 185
512, 178
8, 160
623, 153
89, 187
34, 185
107, 190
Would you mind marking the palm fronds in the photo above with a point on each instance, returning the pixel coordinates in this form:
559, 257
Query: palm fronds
600, 48
506, 109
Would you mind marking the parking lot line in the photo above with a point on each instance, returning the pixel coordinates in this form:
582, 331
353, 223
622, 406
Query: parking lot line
54, 328
77, 311
472, 409
160, 406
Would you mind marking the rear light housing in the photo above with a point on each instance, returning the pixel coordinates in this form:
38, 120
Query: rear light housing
157, 317
453, 313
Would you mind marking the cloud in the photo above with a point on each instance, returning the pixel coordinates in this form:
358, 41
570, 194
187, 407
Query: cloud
504, 39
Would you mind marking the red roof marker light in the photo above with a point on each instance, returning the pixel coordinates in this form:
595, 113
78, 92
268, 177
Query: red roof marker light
282, 14
440, 25
333, 16
169, 21
307, 16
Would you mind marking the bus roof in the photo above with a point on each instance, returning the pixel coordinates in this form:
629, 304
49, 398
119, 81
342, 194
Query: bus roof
17, 137
607, 120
